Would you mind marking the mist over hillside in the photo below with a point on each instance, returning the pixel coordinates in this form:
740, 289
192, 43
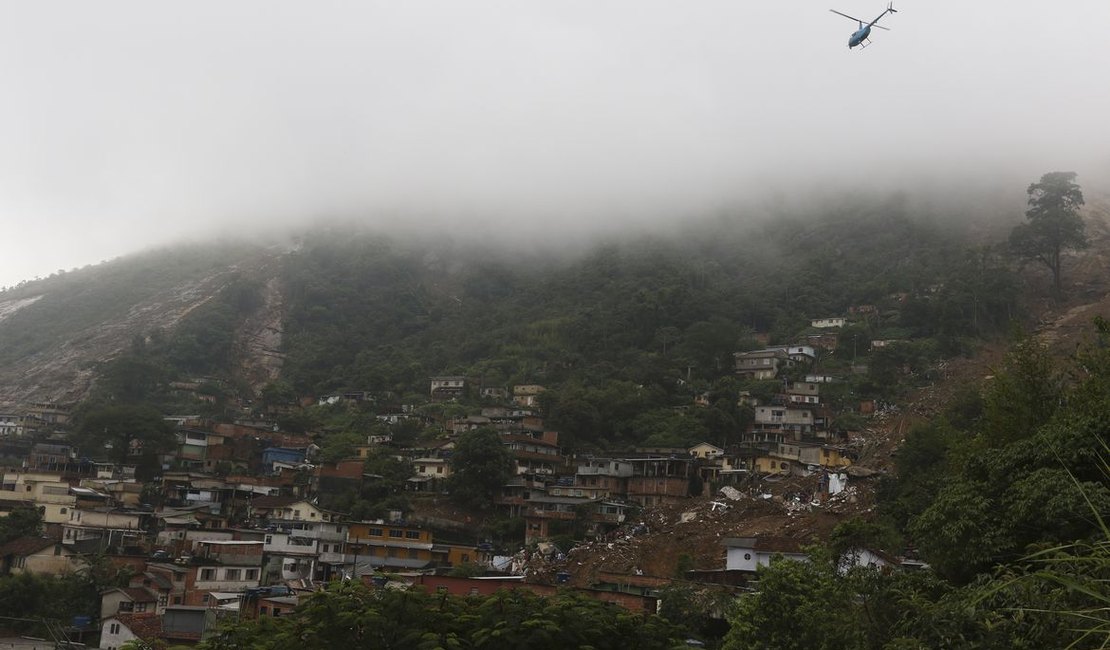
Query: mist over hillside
343, 306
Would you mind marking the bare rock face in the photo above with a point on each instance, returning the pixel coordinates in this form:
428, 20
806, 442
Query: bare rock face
54, 332
258, 355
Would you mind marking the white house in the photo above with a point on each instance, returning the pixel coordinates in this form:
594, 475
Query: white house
823, 323
117, 630
866, 557
748, 553
11, 424
796, 352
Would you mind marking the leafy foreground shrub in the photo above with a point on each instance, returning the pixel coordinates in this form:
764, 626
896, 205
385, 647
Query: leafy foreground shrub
349, 615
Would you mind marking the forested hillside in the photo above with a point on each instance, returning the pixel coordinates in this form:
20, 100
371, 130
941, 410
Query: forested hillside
639, 322
369, 312
998, 486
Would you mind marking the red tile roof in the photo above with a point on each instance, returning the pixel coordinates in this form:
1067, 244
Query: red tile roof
145, 625
23, 546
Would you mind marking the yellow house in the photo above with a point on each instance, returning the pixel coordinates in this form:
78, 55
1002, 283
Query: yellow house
458, 554
390, 545
826, 456
788, 456
706, 450
767, 464
46, 490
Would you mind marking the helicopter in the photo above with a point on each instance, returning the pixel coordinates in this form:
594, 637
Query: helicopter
859, 37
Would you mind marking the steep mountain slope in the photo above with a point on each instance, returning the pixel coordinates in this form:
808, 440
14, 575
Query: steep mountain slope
356, 310
54, 332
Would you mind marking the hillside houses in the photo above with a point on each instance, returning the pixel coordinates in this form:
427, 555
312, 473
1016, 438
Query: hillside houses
762, 364
237, 518
447, 387
38, 555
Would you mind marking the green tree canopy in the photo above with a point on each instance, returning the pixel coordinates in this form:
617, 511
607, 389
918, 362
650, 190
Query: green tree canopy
120, 431
22, 521
350, 615
1054, 225
480, 465
798, 605
1022, 395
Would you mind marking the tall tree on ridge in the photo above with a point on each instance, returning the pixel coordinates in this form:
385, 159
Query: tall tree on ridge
1054, 224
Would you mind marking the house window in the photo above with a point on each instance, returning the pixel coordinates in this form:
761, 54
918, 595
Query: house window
126, 606
277, 612
113, 628
375, 532
204, 599
269, 539
323, 548
231, 574
207, 574
412, 534
62, 511
264, 610
396, 533
252, 574
177, 600
140, 607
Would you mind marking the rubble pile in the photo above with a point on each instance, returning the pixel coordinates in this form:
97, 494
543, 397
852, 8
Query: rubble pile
688, 535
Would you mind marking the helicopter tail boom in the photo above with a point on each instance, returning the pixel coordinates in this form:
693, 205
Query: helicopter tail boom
889, 10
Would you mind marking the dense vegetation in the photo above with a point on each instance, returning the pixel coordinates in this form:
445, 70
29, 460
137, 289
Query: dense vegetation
29, 602
618, 334
1005, 497
622, 333
372, 313
349, 615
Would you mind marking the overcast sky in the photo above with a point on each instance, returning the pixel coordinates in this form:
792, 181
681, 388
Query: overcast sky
127, 124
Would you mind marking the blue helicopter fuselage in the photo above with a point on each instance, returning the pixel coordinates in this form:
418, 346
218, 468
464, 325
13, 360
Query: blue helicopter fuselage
859, 36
